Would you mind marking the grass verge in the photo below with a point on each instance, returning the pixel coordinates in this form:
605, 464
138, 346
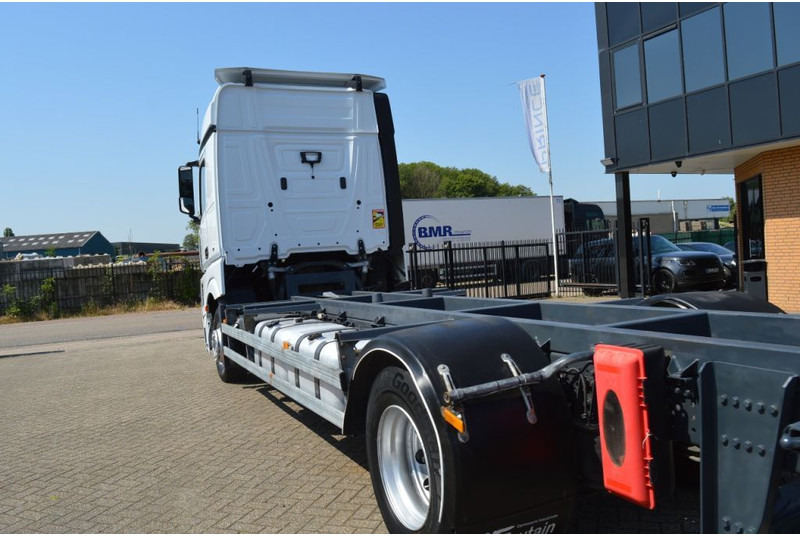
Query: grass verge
92, 309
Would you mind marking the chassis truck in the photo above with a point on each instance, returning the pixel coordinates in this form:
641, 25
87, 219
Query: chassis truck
478, 414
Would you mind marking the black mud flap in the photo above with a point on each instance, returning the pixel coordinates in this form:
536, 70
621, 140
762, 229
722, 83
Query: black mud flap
505, 473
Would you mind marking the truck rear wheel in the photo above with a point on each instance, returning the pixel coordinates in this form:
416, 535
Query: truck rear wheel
403, 455
228, 371
664, 282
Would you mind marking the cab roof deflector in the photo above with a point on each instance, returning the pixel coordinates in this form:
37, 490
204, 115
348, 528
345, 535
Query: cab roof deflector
239, 75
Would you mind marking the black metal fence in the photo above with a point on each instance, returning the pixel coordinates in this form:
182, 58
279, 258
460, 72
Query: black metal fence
587, 264
491, 270
26, 289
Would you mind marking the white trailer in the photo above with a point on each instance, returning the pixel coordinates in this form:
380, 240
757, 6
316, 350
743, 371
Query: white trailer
430, 222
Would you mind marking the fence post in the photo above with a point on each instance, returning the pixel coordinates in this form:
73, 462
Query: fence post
518, 270
486, 272
113, 284
644, 232
549, 279
412, 261
503, 271
449, 264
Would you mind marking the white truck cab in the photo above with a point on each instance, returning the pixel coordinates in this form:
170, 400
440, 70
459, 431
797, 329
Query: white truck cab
296, 190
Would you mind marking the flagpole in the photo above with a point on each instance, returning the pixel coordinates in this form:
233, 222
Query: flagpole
552, 206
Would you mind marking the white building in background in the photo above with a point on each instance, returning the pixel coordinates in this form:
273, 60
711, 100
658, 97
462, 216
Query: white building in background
671, 215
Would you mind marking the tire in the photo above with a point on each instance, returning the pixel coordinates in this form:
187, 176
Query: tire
664, 282
403, 456
428, 278
592, 291
228, 371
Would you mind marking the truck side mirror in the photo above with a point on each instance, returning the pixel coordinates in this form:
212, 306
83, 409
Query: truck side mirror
186, 192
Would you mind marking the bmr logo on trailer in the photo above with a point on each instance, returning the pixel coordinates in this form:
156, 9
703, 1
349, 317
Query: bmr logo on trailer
428, 231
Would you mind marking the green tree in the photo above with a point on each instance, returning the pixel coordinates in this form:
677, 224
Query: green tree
514, 190
7, 232
469, 183
50, 252
191, 241
732, 217
420, 180
426, 180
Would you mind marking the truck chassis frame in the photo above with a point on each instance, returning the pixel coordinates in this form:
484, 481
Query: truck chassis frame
730, 379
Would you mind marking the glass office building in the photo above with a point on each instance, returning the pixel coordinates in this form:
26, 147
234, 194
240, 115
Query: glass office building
712, 88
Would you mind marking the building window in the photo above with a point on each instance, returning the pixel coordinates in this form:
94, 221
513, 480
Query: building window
623, 21
752, 218
663, 66
627, 76
787, 38
703, 60
656, 15
748, 38
689, 8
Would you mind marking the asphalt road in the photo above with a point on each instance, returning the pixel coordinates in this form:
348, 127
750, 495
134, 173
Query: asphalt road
120, 424
18, 336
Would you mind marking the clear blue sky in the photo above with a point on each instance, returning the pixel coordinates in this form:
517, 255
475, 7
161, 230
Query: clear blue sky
98, 100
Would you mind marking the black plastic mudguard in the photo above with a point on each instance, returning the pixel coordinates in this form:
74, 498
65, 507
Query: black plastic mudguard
509, 474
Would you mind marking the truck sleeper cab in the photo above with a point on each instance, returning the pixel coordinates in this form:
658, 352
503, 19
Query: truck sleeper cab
296, 190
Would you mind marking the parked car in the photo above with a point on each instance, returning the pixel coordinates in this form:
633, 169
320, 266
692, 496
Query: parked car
731, 245
727, 257
671, 268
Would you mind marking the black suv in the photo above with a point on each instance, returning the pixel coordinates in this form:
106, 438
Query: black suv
727, 257
672, 269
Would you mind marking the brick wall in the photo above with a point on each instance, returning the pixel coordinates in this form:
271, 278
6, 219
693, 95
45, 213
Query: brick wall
780, 184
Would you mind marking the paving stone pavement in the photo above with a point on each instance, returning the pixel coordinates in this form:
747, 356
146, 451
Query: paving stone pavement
136, 434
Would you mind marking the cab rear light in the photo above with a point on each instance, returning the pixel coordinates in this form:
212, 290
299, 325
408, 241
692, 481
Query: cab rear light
625, 436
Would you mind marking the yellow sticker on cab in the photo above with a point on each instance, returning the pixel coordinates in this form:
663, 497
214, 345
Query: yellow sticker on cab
378, 218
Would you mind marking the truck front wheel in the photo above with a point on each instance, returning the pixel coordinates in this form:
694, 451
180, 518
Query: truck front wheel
403, 456
228, 371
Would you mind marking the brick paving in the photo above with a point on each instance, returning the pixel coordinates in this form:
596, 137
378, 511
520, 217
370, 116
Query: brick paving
136, 434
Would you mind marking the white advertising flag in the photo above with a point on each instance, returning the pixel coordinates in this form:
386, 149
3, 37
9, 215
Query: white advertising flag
535, 110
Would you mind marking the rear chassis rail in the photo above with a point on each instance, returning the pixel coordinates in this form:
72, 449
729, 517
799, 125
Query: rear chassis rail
730, 377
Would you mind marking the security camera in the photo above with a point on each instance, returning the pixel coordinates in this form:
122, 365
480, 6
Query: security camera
679, 163
673, 173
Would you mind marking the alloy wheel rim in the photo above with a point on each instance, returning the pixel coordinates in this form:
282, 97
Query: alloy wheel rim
404, 467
